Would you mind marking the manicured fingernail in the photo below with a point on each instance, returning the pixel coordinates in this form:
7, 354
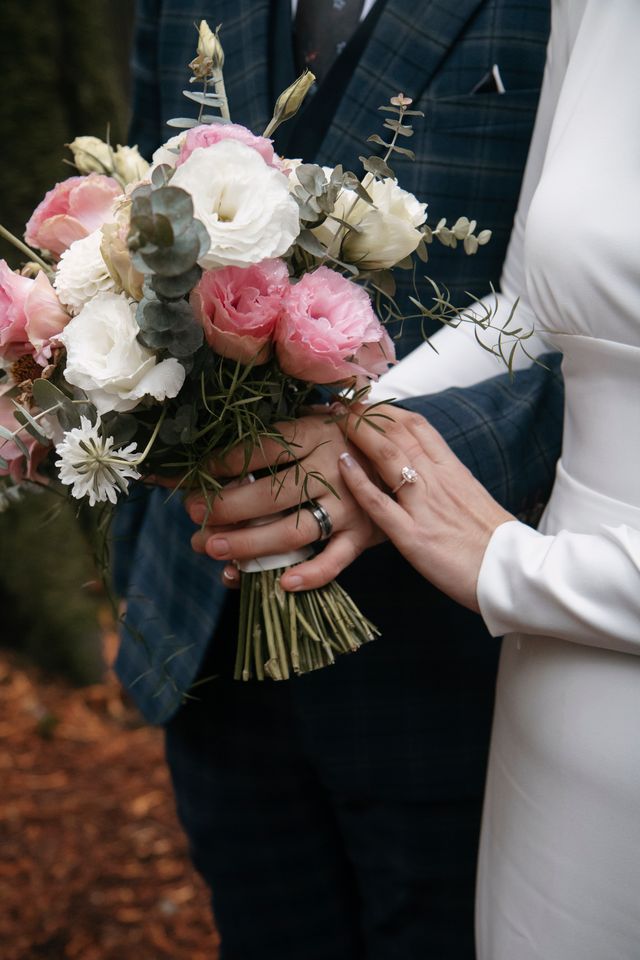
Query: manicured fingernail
248, 479
218, 546
347, 460
294, 582
198, 514
230, 574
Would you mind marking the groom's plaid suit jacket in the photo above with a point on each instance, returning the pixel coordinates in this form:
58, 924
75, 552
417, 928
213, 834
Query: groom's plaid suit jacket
470, 151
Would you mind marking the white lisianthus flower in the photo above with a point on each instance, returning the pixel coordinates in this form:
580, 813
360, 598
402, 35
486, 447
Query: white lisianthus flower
387, 233
129, 165
91, 467
105, 359
82, 273
244, 204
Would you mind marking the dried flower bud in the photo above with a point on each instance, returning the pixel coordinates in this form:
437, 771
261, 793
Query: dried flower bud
129, 166
401, 101
117, 258
209, 45
31, 270
92, 155
290, 101
201, 67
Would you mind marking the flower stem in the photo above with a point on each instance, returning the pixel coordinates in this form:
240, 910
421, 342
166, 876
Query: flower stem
23, 248
156, 430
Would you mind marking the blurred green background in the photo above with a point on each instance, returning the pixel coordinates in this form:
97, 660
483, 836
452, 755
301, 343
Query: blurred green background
64, 68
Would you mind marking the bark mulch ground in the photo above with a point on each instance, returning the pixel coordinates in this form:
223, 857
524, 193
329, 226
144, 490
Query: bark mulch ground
93, 865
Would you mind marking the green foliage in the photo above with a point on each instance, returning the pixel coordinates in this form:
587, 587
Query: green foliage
46, 613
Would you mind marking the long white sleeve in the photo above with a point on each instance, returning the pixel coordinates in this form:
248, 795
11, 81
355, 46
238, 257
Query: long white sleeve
459, 360
579, 587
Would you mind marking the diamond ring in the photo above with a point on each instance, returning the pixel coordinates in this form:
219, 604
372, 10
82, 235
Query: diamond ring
409, 475
322, 516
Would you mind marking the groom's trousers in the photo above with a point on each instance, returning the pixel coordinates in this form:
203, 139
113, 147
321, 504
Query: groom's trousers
344, 806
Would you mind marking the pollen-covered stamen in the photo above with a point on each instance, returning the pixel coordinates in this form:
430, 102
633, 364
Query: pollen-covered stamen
25, 368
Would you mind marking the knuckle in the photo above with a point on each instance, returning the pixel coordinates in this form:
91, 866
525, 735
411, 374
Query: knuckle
415, 421
388, 450
379, 501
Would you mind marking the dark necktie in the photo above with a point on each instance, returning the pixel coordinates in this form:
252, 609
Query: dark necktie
322, 30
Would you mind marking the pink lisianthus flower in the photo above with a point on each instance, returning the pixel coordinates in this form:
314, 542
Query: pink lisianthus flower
19, 467
211, 133
30, 315
238, 308
328, 331
70, 211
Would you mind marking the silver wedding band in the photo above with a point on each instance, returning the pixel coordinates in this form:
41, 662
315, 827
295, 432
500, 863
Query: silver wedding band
409, 475
322, 517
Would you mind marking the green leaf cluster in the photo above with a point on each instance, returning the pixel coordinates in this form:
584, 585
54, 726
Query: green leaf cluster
166, 241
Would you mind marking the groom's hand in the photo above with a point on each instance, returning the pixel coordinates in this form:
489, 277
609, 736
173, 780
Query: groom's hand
306, 461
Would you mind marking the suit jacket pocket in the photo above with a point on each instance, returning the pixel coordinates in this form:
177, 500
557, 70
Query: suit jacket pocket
476, 112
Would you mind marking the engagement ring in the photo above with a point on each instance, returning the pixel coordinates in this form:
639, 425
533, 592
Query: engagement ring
409, 475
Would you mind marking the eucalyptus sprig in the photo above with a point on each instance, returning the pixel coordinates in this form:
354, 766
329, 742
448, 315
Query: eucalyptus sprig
207, 69
399, 107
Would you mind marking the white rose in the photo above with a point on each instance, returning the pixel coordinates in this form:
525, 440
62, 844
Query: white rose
386, 233
82, 273
244, 204
105, 359
129, 165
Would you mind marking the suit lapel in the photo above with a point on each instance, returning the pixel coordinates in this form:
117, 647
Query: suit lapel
406, 47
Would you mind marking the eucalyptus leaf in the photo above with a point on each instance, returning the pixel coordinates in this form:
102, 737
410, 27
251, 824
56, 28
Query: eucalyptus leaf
3, 465
176, 259
32, 427
375, 138
310, 243
173, 288
311, 177
204, 99
160, 316
175, 204
377, 166
163, 235
6, 434
405, 152
210, 118
385, 281
47, 396
398, 128
161, 175
180, 344
182, 123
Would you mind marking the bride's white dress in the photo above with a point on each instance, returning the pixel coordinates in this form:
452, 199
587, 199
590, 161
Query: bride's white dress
559, 870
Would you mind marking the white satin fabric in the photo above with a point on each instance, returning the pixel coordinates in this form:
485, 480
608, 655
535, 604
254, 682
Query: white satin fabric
559, 869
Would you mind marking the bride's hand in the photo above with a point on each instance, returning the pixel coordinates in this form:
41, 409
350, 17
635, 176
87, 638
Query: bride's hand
441, 523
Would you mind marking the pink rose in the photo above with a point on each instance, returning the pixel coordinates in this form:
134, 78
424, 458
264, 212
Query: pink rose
209, 134
30, 315
72, 210
18, 466
328, 331
14, 341
238, 308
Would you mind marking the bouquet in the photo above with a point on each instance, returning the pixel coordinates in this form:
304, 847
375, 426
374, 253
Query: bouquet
178, 309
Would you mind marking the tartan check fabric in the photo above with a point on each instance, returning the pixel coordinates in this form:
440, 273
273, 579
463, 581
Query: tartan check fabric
470, 151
